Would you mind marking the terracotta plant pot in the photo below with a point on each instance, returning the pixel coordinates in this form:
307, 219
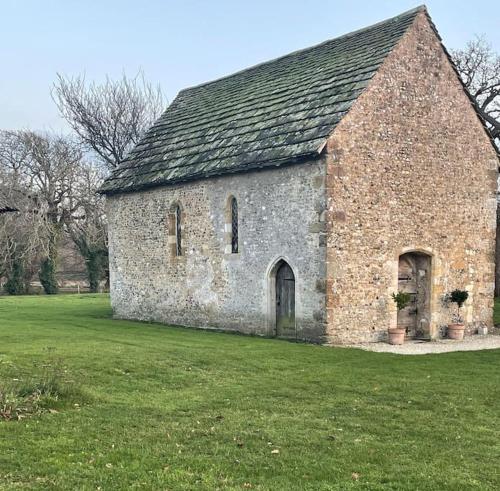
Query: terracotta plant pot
396, 335
456, 331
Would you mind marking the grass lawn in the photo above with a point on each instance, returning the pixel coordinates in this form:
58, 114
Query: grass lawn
171, 408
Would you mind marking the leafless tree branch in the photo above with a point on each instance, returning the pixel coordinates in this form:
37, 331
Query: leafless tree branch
479, 67
108, 118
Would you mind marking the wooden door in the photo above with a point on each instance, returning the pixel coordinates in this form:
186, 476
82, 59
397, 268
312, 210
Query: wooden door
285, 302
407, 282
414, 277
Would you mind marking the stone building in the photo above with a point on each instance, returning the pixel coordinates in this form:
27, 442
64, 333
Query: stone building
292, 198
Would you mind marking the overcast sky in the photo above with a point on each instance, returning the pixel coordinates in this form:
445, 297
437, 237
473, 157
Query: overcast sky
181, 43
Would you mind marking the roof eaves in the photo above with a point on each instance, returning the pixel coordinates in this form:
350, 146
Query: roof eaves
203, 175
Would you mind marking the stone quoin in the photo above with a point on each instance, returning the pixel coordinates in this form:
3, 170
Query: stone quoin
293, 198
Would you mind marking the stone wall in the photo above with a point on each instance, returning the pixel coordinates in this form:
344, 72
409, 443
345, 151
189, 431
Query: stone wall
409, 168
281, 215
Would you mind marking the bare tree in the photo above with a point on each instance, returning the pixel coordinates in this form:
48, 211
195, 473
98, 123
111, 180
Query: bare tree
108, 118
23, 234
23, 242
13, 157
88, 228
50, 170
479, 68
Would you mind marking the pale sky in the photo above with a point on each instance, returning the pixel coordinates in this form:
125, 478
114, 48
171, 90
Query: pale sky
181, 43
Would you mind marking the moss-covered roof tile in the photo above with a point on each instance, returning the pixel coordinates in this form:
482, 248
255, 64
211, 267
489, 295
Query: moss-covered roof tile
277, 112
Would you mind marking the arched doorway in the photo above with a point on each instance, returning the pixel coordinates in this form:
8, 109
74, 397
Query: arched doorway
414, 277
284, 300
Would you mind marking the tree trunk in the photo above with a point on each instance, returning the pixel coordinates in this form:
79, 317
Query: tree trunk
94, 262
48, 267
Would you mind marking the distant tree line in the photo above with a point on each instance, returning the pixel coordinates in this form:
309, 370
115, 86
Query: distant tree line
54, 178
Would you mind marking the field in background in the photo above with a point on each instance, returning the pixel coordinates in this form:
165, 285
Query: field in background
172, 408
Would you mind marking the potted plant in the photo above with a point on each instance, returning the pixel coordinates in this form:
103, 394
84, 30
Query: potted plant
456, 328
397, 334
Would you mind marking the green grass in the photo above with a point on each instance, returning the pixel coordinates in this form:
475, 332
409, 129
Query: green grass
178, 409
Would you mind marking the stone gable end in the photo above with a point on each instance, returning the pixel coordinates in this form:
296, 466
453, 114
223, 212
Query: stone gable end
409, 168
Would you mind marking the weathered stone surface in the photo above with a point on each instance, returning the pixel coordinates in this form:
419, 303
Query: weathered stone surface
207, 287
418, 173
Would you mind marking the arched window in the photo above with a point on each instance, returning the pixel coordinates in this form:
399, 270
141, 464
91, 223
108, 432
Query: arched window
175, 217
178, 231
234, 225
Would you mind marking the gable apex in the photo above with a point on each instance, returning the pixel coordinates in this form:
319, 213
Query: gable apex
467, 93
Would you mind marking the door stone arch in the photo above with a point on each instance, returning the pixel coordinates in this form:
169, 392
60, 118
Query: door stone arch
414, 278
282, 300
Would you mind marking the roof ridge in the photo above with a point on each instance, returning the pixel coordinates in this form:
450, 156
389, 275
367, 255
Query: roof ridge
420, 8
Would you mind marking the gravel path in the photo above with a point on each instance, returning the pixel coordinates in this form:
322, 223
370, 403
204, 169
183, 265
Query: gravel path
470, 343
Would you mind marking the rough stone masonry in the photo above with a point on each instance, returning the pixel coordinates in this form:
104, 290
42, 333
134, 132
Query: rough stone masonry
410, 167
392, 161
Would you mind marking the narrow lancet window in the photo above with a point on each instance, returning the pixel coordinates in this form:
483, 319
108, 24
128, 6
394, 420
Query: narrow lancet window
178, 236
234, 226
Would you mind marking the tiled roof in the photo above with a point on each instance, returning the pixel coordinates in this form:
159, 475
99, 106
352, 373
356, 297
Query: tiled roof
277, 112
